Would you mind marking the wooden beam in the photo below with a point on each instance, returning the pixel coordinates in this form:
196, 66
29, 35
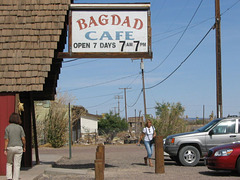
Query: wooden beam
34, 128
104, 55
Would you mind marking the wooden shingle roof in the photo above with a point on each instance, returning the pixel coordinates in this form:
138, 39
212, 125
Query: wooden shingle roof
32, 32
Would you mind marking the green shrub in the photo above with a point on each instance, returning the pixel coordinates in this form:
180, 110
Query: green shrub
56, 124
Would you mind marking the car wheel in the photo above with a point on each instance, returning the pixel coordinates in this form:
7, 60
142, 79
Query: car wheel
238, 165
189, 156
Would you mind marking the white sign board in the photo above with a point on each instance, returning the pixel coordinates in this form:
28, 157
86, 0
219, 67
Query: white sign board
109, 31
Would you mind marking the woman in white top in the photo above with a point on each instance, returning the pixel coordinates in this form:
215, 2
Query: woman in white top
148, 133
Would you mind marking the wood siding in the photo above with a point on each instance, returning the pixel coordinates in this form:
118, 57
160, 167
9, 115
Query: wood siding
32, 32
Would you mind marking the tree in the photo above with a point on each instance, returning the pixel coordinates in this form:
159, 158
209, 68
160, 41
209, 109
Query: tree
169, 118
77, 112
112, 124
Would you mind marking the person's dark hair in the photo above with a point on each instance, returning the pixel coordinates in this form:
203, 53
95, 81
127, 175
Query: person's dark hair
15, 118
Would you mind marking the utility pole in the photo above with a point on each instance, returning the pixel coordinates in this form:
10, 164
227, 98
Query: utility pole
118, 97
115, 112
125, 98
139, 118
70, 131
135, 122
203, 114
143, 83
144, 97
218, 59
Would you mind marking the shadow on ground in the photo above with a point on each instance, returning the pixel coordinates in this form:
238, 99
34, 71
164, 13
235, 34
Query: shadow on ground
35, 164
220, 173
139, 164
79, 166
169, 162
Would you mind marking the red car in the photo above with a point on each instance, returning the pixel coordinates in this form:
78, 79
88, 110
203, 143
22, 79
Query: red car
224, 157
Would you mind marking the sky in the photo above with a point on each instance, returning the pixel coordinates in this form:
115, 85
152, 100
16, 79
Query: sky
177, 28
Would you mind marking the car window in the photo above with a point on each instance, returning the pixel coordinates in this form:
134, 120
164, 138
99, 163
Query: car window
225, 127
208, 126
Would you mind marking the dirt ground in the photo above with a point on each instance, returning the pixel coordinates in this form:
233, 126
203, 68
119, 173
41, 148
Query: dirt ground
126, 162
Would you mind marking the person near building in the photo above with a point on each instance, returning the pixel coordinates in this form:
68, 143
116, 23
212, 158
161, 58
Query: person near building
15, 145
148, 134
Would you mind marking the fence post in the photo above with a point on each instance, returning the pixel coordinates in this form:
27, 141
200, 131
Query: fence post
100, 162
99, 171
159, 155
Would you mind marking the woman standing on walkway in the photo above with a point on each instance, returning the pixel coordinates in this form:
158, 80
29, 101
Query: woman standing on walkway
148, 134
15, 145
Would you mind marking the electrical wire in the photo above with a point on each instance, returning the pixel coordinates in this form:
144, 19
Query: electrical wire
133, 80
100, 103
183, 60
158, 65
190, 26
79, 63
230, 7
101, 95
193, 26
192, 50
71, 60
178, 39
136, 100
98, 84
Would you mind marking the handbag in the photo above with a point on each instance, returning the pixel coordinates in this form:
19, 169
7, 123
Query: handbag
153, 139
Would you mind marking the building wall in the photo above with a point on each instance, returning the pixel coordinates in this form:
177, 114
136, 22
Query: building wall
7, 107
89, 124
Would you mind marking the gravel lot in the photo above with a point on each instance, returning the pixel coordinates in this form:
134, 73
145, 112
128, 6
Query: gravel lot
126, 162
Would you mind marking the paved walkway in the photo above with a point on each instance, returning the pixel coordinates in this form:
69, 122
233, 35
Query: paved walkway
32, 173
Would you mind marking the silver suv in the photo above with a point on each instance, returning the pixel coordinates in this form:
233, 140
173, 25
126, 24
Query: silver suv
188, 148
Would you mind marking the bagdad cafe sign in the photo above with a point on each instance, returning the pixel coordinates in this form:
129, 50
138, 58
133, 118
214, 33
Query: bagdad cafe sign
110, 30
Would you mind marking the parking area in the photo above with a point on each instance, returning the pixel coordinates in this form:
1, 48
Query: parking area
126, 162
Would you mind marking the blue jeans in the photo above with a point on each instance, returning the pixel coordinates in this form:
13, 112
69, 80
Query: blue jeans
149, 148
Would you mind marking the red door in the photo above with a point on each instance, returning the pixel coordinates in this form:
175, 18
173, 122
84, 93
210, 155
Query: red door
7, 107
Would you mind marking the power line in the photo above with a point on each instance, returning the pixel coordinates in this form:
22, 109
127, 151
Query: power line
154, 35
178, 39
134, 80
230, 7
183, 60
101, 95
171, 35
79, 63
100, 103
98, 84
137, 99
71, 60
157, 34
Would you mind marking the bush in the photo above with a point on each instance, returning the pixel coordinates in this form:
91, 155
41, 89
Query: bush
169, 119
56, 124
